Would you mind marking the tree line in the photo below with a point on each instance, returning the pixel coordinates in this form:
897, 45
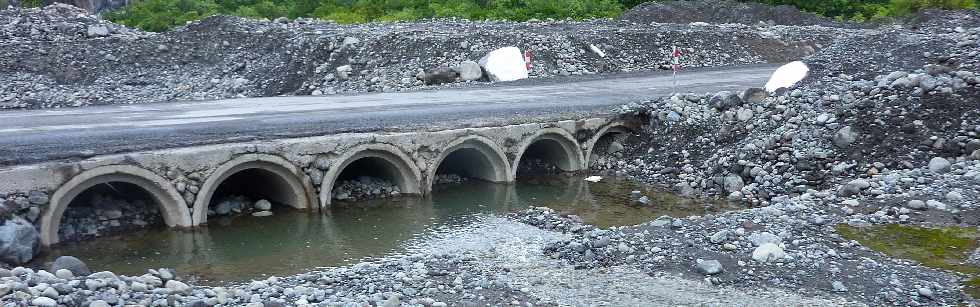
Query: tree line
160, 15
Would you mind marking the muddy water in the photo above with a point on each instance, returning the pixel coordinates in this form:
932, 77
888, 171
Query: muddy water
290, 242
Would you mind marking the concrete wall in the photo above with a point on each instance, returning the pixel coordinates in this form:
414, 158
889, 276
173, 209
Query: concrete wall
303, 170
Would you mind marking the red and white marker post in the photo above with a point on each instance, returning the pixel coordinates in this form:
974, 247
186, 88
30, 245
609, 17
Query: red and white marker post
527, 60
676, 64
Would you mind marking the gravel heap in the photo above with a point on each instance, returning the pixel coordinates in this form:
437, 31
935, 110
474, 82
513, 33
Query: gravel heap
897, 147
748, 146
106, 215
91, 62
364, 188
724, 11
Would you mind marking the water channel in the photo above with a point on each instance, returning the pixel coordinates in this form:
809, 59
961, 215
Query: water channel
289, 242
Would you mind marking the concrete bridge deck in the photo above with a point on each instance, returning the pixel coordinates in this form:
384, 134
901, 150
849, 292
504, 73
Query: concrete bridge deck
180, 154
44, 135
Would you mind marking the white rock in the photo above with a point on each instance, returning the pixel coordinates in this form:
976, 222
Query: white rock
954, 196
64, 274
597, 51
469, 71
44, 302
263, 205
768, 252
936, 204
939, 165
178, 287
504, 64
593, 178
787, 76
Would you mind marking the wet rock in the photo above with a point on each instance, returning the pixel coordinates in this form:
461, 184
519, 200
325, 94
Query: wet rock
263, 205
75, 265
643, 200
709, 267
19, 241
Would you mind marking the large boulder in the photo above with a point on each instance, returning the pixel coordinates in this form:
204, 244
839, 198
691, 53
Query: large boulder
439, 75
19, 241
75, 265
469, 71
725, 100
733, 183
504, 64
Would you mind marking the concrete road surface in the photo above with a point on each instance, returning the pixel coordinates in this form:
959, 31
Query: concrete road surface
42, 135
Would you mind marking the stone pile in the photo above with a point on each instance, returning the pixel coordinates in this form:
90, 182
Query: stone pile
449, 179
365, 188
823, 134
104, 215
425, 280
238, 204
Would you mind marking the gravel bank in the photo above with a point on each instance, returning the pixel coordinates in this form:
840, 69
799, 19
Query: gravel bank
59, 56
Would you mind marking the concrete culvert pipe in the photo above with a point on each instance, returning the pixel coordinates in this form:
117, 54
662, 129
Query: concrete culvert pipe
549, 152
252, 183
471, 157
126, 187
372, 171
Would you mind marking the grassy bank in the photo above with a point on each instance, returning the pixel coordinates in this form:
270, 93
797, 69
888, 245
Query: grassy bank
942, 248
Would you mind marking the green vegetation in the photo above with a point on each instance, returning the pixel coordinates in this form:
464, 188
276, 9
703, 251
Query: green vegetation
159, 15
941, 248
860, 11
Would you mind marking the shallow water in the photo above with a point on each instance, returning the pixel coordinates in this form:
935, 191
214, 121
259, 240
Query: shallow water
290, 242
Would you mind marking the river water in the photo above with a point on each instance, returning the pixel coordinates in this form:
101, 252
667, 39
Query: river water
290, 242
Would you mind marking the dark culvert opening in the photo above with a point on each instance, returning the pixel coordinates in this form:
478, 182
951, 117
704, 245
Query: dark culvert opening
462, 165
367, 178
606, 149
107, 209
543, 157
252, 191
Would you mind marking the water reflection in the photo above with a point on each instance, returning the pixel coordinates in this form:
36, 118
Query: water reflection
289, 242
